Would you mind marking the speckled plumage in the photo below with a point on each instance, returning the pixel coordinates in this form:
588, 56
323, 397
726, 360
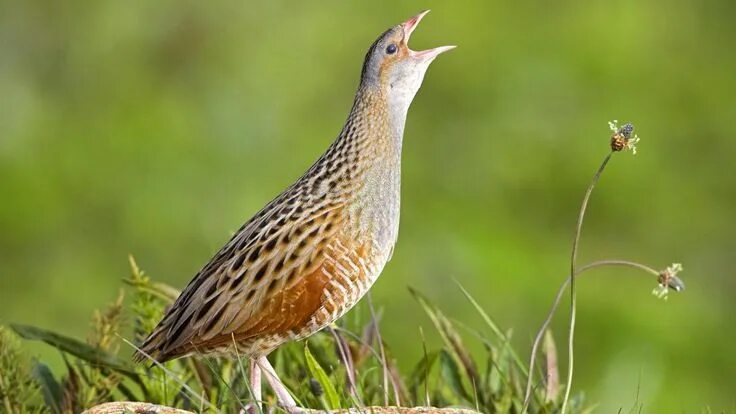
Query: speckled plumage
310, 254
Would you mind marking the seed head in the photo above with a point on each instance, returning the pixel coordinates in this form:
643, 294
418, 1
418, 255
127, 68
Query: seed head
623, 137
668, 280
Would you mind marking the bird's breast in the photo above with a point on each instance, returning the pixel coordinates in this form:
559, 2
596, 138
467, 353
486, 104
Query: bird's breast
375, 210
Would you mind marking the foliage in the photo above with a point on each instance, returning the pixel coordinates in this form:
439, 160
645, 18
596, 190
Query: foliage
339, 367
343, 368
159, 127
19, 384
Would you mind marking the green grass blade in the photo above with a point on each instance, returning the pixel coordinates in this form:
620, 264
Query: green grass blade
496, 330
450, 336
320, 375
50, 388
79, 349
421, 371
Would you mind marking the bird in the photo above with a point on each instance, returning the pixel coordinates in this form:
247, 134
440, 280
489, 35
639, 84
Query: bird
310, 254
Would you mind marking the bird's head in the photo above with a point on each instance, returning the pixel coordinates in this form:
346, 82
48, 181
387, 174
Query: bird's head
394, 68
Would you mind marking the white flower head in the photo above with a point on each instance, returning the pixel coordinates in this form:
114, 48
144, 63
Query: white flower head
631, 143
613, 125
661, 292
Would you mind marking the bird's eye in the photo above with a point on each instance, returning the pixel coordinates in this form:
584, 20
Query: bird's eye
391, 49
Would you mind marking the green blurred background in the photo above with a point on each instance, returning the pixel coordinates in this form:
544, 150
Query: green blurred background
157, 128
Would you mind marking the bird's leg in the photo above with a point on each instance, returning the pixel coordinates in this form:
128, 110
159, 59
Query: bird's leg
282, 394
254, 407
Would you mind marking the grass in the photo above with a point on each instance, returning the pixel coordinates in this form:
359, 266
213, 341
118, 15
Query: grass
344, 366
347, 365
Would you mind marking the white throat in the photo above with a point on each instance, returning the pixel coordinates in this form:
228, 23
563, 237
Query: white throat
401, 93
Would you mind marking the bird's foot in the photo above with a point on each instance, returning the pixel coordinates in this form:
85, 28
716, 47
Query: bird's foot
286, 401
251, 408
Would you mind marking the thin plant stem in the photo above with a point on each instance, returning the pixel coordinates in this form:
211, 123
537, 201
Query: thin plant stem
344, 354
426, 370
573, 295
246, 381
615, 262
556, 303
218, 375
499, 369
383, 354
360, 341
173, 376
378, 356
495, 329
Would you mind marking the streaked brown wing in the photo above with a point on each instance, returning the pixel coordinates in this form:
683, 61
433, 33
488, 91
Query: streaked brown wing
331, 284
270, 254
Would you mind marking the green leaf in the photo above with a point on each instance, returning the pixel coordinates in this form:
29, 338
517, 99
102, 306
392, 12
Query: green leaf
333, 400
50, 388
79, 349
451, 374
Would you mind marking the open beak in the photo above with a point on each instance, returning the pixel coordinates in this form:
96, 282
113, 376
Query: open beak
428, 54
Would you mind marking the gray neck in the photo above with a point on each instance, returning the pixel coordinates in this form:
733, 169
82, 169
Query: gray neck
378, 118
362, 171
375, 131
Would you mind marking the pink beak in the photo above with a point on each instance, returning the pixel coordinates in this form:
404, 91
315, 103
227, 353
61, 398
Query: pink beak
428, 54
